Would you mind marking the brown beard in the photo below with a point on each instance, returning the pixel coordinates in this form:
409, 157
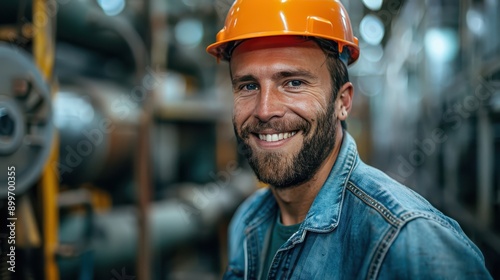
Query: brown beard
286, 171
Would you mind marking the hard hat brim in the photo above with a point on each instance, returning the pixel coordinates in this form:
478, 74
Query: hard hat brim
218, 48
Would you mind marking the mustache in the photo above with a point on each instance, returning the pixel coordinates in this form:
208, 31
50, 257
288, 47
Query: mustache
275, 124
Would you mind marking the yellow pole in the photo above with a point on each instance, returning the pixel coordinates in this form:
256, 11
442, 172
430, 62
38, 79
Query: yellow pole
48, 190
44, 13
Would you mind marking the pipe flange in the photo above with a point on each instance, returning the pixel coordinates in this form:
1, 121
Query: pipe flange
26, 126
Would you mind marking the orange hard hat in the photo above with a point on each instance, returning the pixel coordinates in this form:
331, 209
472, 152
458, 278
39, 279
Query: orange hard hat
248, 19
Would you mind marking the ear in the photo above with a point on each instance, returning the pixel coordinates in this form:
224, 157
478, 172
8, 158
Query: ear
343, 103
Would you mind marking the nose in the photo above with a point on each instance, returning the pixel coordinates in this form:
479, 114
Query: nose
269, 104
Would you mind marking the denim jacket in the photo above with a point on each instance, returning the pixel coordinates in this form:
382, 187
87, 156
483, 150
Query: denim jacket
362, 225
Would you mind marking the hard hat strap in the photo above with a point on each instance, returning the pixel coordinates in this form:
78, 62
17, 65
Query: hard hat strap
345, 55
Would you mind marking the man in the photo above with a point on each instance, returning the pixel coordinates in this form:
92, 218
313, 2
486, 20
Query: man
326, 215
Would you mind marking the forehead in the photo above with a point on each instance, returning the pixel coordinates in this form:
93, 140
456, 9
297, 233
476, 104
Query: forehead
278, 49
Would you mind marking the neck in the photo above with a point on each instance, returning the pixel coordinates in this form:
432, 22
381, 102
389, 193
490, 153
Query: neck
295, 202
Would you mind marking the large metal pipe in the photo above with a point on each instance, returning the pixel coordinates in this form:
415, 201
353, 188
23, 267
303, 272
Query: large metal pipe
113, 237
76, 23
97, 140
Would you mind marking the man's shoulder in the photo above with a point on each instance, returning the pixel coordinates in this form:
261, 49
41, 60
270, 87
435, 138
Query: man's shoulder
409, 222
393, 199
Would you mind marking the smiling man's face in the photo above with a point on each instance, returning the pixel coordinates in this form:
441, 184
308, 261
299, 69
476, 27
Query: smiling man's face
283, 109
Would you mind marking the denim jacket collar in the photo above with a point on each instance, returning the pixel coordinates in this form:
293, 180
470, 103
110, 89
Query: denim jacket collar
323, 216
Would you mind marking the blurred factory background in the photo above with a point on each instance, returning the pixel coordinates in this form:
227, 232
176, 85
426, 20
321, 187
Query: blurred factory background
119, 127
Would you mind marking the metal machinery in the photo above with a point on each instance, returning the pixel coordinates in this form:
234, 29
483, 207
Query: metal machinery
124, 163
27, 136
126, 168
28, 143
25, 116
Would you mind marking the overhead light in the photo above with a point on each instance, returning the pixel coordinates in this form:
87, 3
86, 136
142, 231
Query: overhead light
372, 29
373, 5
475, 22
189, 32
112, 7
441, 44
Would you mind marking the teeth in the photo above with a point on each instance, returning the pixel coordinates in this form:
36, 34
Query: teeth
276, 137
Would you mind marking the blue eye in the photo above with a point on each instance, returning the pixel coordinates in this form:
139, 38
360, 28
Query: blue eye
250, 87
294, 83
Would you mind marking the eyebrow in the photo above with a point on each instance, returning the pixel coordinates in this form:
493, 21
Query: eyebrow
295, 73
245, 78
277, 76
